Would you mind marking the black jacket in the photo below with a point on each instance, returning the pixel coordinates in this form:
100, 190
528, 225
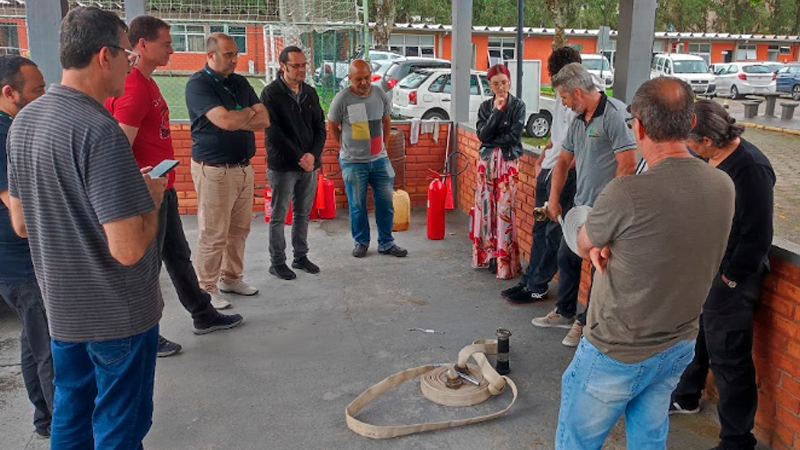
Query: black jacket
501, 128
295, 128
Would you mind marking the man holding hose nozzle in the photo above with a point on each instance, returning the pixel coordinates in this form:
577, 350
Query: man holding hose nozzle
643, 319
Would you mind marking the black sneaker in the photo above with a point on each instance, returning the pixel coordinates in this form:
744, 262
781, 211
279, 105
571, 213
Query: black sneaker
360, 251
677, 408
394, 251
493, 266
512, 290
304, 264
221, 322
167, 347
525, 296
43, 433
282, 271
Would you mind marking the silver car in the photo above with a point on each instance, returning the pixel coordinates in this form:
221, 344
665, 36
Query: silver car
741, 78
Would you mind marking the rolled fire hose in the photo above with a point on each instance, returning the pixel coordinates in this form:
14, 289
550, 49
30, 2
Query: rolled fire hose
573, 222
434, 387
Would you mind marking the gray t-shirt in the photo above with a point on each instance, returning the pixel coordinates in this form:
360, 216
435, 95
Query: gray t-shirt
667, 229
595, 145
72, 167
362, 124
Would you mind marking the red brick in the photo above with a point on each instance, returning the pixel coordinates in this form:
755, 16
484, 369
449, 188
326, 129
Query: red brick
789, 290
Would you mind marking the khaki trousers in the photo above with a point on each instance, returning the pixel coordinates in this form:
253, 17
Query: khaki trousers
224, 212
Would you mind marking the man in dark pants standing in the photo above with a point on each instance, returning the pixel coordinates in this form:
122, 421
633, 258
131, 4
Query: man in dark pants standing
294, 144
144, 117
547, 235
21, 82
725, 342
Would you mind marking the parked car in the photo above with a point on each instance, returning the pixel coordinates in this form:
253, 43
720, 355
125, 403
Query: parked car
426, 94
599, 66
402, 67
689, 68
788, 80
378, 69
775, 66
741, 78
324, 73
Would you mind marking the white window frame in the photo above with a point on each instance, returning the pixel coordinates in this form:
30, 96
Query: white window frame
412, 43
701, 49
180, 29
234, 34
745, 52
500, 48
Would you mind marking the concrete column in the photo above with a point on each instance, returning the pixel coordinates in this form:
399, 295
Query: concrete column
634, 46
133, 8
461, 60
43, 18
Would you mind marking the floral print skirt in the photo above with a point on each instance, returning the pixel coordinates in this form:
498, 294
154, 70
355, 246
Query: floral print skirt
494, 219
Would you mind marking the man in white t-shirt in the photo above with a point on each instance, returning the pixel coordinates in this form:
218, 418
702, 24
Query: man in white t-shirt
547, 235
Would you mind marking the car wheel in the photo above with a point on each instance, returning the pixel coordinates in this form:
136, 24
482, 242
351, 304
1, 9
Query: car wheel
538, 126
435, 114
796, 92
735, 93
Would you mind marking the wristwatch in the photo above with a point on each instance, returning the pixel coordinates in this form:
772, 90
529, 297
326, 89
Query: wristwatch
731, 284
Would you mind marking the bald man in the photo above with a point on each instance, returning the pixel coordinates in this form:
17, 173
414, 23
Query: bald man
224, 111
359, 120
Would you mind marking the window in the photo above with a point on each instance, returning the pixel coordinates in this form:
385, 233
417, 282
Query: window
438, 83
412, 45
502, 50
487, 91
238, 33
473, 85
746, 51
701, 50
188, 38
414, 80
9, 39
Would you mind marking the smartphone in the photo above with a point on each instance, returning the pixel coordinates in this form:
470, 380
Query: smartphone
163, 168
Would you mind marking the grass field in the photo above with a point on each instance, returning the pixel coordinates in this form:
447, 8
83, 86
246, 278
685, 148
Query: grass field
173, 88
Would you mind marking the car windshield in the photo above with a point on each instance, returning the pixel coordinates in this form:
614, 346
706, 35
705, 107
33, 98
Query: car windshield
690, 66
756, 69
596, 64
413, 80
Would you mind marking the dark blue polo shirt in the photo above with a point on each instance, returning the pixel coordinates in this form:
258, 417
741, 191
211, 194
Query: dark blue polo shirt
206, 90
15, 255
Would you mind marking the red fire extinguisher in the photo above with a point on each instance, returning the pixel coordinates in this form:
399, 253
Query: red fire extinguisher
327, 208
448, 203
268, 207
436, 208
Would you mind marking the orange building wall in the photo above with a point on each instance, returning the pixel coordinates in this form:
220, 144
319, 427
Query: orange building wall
718, 48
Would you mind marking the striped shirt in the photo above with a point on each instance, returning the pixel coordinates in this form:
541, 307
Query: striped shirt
71, 166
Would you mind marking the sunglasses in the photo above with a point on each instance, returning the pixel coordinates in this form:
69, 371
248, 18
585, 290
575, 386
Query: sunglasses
133, 57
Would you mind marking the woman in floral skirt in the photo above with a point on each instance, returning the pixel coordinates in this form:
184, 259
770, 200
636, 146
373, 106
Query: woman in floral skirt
500, 123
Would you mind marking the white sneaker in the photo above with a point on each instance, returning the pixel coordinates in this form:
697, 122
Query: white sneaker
218, 301
237, 287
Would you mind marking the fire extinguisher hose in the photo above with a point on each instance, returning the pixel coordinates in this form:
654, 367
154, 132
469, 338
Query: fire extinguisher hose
434, 387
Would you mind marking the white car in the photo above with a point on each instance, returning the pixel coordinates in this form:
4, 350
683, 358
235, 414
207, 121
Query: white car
741, 78
689, 68
425, 94
599, 66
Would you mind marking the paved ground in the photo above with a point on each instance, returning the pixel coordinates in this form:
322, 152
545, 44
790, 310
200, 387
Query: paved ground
309, 346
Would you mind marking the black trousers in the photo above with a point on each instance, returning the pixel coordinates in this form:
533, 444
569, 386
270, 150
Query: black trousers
570, 267
725, 345
547, 235
177, 257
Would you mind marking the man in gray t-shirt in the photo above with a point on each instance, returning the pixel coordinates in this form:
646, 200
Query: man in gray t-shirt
601, 145
359, 120
657, 240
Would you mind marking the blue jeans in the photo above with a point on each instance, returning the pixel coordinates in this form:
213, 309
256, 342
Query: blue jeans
34, 342
378, 174
104, 393
597, 389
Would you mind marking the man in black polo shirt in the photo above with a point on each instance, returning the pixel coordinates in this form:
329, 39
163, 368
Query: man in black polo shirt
21, 82
224, 111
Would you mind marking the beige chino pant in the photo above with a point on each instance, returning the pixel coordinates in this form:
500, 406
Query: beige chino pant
224, 212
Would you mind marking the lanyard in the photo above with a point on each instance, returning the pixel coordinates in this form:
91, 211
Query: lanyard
5, 114
215, 78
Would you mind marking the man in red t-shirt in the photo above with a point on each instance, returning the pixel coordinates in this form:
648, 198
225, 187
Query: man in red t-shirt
144, 117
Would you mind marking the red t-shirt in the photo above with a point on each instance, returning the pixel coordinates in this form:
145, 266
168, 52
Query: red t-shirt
142, 106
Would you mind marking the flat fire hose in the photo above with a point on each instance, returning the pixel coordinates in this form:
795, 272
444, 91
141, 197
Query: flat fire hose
434, 388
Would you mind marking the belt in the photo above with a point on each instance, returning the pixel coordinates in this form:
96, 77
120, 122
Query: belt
226, 165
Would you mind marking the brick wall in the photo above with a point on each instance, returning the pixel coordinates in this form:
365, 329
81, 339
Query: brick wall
419, 157
776, 349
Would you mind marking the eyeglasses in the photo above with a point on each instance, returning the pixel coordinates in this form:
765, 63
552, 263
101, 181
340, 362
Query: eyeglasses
629, 122
298, 66
133, 57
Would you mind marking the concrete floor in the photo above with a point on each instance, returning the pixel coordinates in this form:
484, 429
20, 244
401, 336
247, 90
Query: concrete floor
309, 346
